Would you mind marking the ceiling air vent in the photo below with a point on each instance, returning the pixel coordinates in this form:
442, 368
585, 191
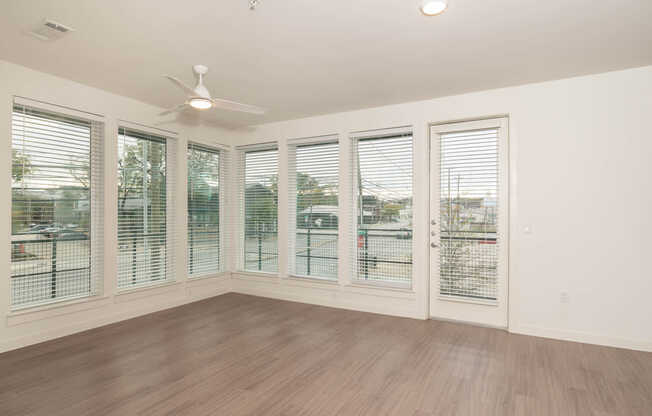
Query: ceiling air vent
50, 30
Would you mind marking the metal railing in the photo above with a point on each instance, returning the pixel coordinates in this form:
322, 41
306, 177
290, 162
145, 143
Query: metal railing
260, 238
388, 247
139, 251
317, 248
324, 245
53, 267
199, 242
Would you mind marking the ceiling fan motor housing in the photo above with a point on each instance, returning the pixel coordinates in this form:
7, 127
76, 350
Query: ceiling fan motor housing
200, 89
200, 69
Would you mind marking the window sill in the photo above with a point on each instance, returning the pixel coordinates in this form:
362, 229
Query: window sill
207, 279
125, 295
265, 275
309, 279
219, 275
382, 286
465, 300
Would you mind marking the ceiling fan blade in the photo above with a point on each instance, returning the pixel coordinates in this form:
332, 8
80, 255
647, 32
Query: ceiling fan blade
189, 91
174, 110
233, 106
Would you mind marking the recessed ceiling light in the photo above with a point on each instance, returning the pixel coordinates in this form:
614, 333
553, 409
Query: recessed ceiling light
433, 7
200, 103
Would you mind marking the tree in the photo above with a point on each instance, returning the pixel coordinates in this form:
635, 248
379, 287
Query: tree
79, 169
142, 179
390, 211
21, 166
203, 186
130, 166
261, 204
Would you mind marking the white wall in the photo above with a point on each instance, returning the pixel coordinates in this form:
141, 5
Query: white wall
19, 328
581, 178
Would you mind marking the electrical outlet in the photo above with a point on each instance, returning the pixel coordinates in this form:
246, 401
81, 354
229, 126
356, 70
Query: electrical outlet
563, 297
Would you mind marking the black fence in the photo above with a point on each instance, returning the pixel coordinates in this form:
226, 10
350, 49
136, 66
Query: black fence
264, 254
385, 254
203, 250
316, 248
145, 255
49, 267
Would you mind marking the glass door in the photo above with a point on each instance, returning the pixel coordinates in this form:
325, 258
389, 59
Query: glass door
468, 221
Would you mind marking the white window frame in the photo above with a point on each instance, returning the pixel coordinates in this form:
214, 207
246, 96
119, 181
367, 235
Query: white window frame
240, 211
97, 197
292, 196
171, 177
224, 178
354, 137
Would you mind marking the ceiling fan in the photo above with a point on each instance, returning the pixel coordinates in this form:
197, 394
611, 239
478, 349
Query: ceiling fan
201, 99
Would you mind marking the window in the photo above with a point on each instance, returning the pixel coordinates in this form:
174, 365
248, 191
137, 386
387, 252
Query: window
204, 249
469, 213
56, 221
144, 214
260, 228
383, 208
313, 204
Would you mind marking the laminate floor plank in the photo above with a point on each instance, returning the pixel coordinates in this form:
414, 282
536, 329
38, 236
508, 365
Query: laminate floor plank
243, 355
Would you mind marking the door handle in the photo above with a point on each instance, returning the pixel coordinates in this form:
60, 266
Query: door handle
433, 245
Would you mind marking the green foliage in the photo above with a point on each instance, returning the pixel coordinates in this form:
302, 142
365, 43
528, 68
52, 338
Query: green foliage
203, 187
311, 193
21, 166
389, 211
142, 179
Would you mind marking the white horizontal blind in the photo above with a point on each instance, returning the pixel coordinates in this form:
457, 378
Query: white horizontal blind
145, 189
56, 249
204, 191
313, 209
259, 210
382, 182
469, 214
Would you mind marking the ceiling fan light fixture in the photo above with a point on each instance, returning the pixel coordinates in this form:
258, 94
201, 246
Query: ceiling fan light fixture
433, 7
200, 103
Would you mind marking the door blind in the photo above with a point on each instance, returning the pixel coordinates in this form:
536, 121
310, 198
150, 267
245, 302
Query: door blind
313, 209
56, 241
469, 214
204, 190
259, 210
383, 209
145, 231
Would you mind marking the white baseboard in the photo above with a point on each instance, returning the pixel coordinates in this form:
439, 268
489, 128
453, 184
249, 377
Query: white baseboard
155, 303
373, 300
384, 302
583, 337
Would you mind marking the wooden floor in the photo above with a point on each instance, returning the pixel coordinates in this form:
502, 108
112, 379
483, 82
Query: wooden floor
242, 355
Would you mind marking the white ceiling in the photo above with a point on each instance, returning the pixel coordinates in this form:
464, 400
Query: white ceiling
301, 58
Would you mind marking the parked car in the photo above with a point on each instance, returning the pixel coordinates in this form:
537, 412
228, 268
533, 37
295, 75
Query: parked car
51, 231
71, 235
404, 234
38, 228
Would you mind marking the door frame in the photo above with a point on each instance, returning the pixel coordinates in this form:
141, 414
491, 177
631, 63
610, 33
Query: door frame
478, 312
